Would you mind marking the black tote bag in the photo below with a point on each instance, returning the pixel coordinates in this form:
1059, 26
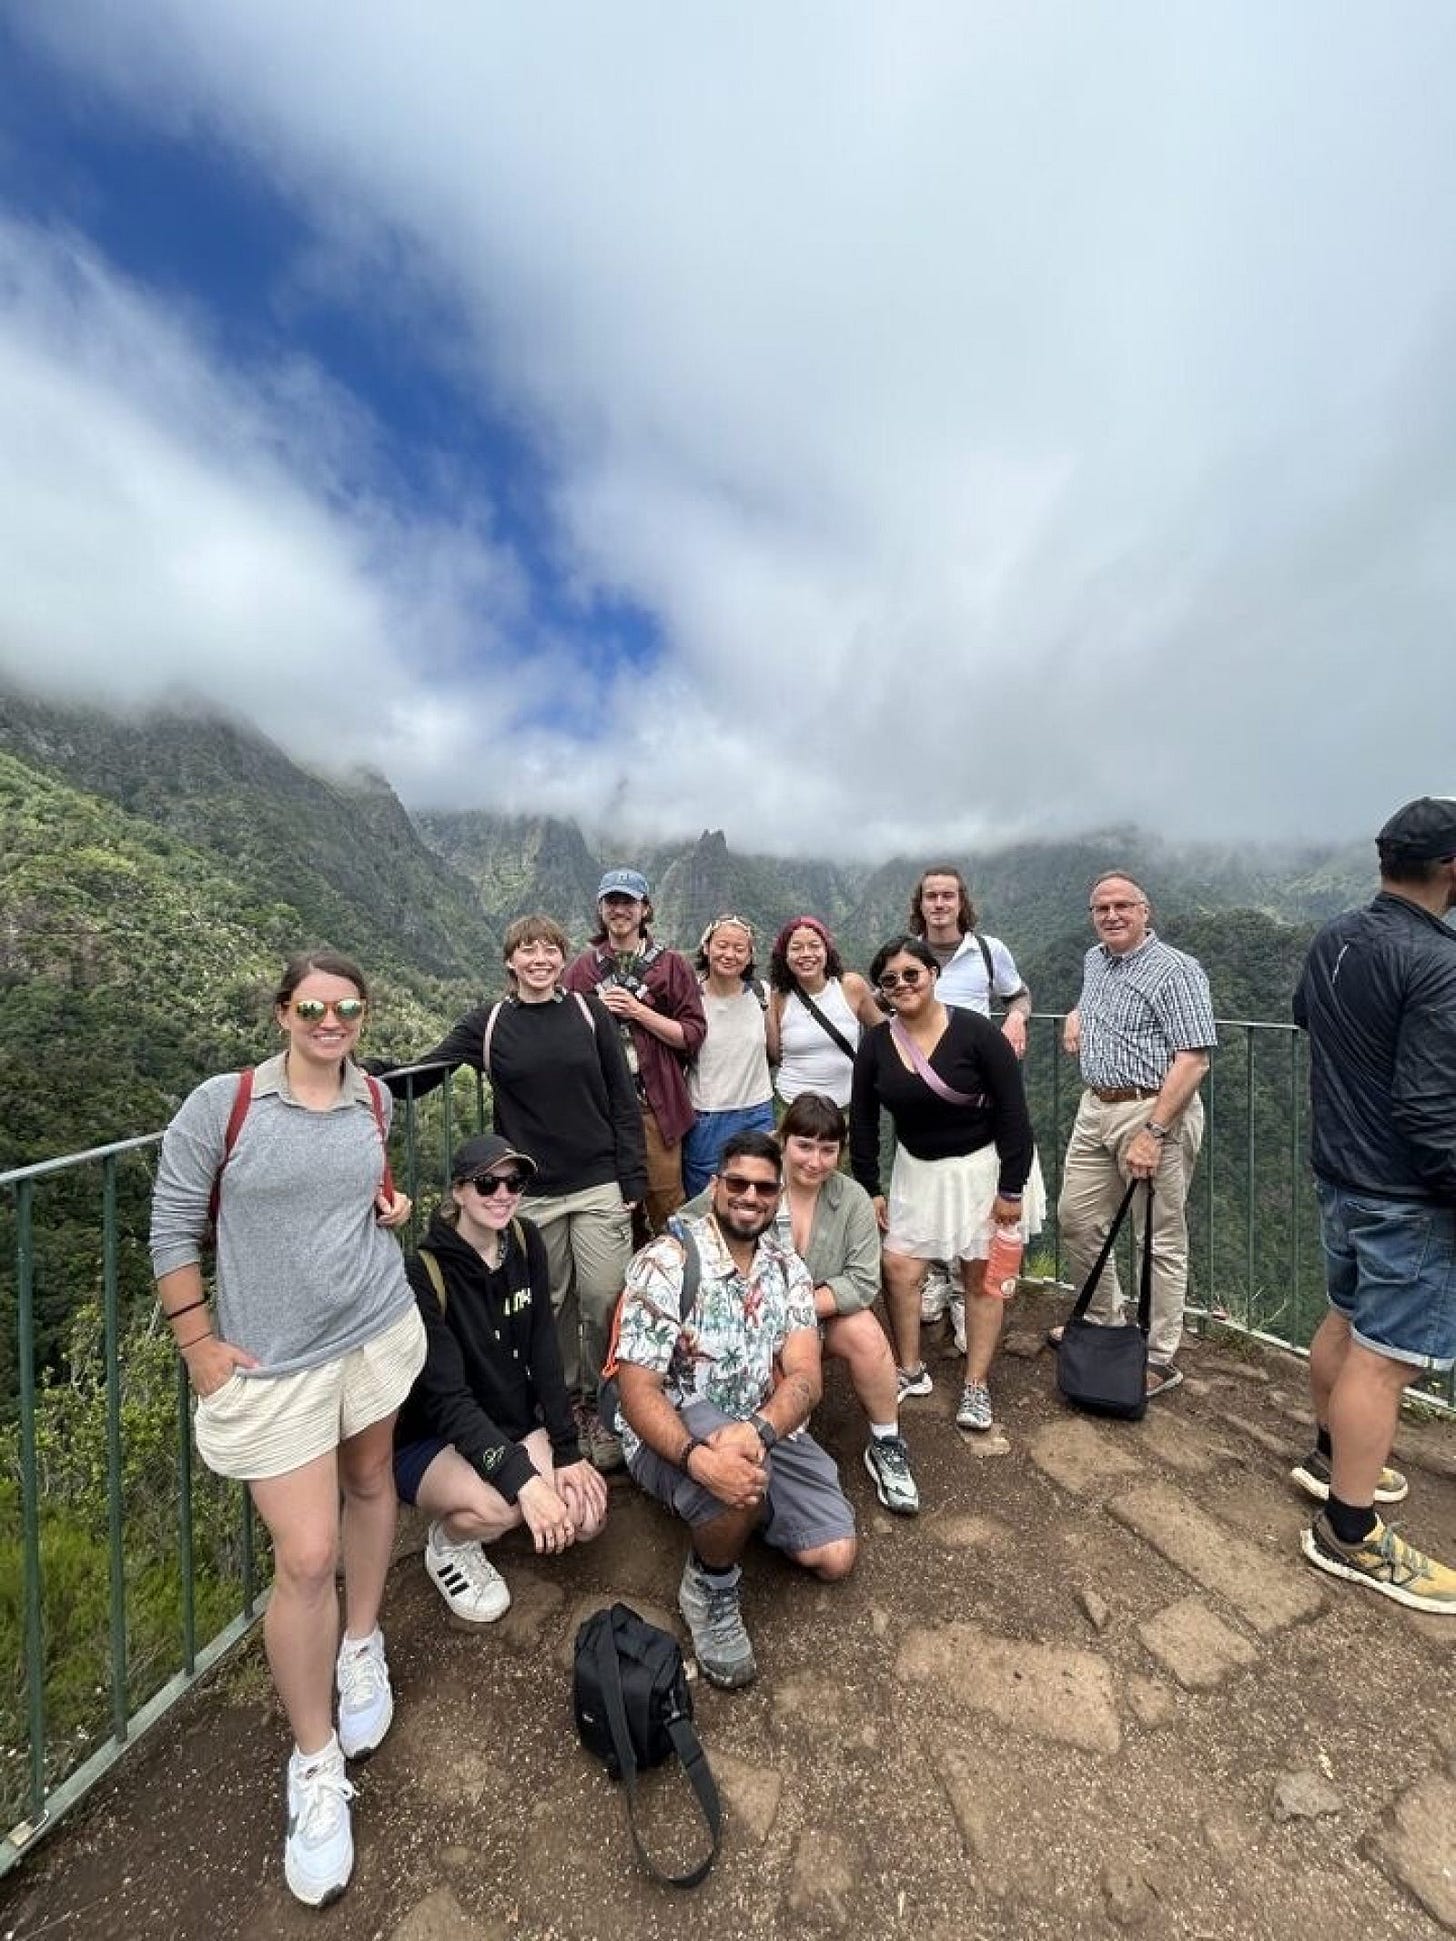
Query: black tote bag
1105, 1370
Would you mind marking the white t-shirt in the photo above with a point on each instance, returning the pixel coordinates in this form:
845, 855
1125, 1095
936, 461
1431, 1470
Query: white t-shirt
730, 1071
963, 980
809, 1059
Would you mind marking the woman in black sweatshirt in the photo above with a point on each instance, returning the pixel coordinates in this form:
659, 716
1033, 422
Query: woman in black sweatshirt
486, 1440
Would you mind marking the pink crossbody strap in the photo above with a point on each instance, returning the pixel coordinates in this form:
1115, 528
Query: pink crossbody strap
925, 1070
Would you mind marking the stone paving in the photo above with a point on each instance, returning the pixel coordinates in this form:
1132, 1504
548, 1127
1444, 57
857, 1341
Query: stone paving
1093, 1690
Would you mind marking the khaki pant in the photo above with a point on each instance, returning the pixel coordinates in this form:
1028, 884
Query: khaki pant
1094, 1179
588, 1241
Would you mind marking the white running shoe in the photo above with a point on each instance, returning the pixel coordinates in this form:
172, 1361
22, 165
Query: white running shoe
366, 1702
467, 1580
318, 1850
936, 1292
958, 1322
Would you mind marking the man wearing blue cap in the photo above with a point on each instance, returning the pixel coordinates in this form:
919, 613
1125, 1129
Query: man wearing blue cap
654, 996
1378, 999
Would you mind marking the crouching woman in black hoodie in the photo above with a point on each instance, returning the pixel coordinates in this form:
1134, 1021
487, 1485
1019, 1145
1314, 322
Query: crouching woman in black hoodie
486, 1440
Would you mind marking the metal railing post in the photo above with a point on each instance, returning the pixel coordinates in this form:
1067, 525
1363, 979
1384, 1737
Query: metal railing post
115, 1513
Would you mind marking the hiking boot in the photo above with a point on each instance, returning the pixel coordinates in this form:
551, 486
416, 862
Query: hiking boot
602, 1449
975, 1409
913, 1381
467, 1580
958, 1322
366, 1702
936, 1292
318, 1848
1313, 1477
888, 1460
1387, 1563
720, 1643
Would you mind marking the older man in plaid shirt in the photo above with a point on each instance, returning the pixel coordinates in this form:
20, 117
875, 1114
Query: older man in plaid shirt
1143, 1029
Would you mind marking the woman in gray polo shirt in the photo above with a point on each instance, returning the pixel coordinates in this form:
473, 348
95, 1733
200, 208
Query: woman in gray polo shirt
300, 1365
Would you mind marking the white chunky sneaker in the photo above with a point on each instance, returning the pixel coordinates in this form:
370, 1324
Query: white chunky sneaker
467, 1580
318, 1849
366, 1702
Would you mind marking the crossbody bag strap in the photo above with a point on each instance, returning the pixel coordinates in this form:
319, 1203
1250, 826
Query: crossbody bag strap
610, 1673
925, 1070
1090, 1287
689, 1749
825, 1024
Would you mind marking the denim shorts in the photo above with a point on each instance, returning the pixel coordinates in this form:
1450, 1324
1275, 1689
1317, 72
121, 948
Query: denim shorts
805, 1506
1391, 1272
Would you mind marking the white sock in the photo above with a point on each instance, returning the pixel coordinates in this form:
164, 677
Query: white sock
882, 1431
303, 1760
346, 1643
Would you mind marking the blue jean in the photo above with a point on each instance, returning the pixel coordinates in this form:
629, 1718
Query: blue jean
703, 1143
1390, 1268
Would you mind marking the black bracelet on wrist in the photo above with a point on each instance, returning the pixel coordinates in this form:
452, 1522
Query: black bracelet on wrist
176, 1313
696, 1442
183, 1346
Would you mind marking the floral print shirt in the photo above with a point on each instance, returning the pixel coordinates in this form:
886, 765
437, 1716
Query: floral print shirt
738, 1323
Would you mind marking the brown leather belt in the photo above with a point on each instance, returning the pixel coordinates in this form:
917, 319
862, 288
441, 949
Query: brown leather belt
1122, 1094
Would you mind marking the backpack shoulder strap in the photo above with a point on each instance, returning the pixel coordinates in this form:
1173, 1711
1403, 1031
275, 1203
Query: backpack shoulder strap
437, 1278
585, 1010
985, 950
376, 1099
242, 1099
692, 1278
495, 1011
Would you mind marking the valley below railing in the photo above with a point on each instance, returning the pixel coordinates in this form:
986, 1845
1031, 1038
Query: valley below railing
127, 1569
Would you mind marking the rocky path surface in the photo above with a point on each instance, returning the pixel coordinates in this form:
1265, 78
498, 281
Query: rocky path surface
1092, 1690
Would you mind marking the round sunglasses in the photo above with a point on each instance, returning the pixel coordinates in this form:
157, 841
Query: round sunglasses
312, 1010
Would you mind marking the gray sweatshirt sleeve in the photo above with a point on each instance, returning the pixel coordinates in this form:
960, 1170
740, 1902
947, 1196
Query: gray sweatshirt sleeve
192, 1152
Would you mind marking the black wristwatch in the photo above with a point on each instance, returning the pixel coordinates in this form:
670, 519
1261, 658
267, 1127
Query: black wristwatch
767, 1434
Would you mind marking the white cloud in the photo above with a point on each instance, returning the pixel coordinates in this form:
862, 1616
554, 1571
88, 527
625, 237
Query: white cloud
1014, 418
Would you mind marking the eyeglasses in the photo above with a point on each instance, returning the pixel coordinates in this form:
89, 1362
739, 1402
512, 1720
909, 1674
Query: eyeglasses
489, 1184
348, 1010
740, 1183
1113, 909
892, 980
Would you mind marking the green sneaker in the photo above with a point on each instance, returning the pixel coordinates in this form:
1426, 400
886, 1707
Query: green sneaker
1387, 1563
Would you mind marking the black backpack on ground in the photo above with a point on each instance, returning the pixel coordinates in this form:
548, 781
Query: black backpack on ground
634, 1709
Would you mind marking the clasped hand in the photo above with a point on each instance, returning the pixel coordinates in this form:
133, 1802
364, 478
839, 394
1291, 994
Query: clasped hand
734, 1466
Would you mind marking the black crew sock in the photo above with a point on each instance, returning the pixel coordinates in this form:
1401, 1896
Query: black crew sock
712, 1572
1351, 1522
1322, 1440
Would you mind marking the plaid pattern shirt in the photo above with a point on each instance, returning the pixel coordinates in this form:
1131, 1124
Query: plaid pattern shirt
1138, 1010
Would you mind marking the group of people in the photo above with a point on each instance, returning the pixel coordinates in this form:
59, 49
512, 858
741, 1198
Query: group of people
703, 1118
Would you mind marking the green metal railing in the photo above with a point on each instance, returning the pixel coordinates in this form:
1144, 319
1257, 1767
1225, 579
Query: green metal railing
184, 1562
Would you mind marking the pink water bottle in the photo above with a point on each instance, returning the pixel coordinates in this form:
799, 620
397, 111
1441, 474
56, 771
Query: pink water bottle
1003, 1262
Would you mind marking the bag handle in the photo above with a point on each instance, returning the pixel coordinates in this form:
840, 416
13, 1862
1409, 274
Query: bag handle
1145, 1282
689, 1750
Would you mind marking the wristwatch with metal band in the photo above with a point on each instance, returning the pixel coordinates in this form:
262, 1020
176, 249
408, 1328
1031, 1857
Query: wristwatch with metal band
767, 1434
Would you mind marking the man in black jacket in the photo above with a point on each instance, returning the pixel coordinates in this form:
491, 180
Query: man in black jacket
1378, 999
486, 1440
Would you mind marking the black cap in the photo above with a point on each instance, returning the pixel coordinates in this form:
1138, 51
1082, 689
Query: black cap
1424, 831
485, 1150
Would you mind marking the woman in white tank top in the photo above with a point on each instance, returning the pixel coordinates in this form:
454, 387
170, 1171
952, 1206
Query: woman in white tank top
816, 1014
728, 1083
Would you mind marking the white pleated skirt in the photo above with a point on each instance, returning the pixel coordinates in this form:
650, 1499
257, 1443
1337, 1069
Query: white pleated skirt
940, 1209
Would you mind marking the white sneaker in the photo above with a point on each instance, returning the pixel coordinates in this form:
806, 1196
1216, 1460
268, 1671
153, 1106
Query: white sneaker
366, 1702
958, 1321
466, 1578
936, 1292
318, 1850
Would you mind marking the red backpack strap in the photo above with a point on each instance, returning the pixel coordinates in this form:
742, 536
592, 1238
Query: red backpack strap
242, 1099
376, 1099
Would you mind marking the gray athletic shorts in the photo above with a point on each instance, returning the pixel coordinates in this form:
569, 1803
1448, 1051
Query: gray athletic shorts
804, 1506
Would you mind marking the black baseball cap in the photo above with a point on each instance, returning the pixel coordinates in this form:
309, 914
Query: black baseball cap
1424, 831
485, 1150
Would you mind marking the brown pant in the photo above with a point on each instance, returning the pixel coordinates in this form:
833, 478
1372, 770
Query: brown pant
664, 1180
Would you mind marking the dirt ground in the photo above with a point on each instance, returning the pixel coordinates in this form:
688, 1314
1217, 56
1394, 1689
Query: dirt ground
1091, 1689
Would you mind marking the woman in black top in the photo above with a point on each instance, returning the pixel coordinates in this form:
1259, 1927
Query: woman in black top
952, 1087
562, 1092
487, 1440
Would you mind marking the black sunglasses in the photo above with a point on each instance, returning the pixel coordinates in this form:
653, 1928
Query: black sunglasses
765, 1189
489, 1184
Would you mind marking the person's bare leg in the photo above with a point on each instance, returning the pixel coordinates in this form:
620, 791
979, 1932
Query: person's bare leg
859, 1342
985, 1318
366, 1476
301, 1625
1364, 1411
904, 1278
722, 1540
829, 1561
1327, 1354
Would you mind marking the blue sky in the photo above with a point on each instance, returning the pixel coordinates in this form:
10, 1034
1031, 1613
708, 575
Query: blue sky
969, 423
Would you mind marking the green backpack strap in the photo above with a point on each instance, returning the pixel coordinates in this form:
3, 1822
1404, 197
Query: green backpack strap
437, 1279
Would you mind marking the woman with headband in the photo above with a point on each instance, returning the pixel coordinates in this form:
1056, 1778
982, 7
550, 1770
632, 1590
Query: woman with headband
729, 1081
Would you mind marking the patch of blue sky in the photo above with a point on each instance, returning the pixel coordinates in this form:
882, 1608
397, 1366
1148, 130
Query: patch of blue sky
182, 215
